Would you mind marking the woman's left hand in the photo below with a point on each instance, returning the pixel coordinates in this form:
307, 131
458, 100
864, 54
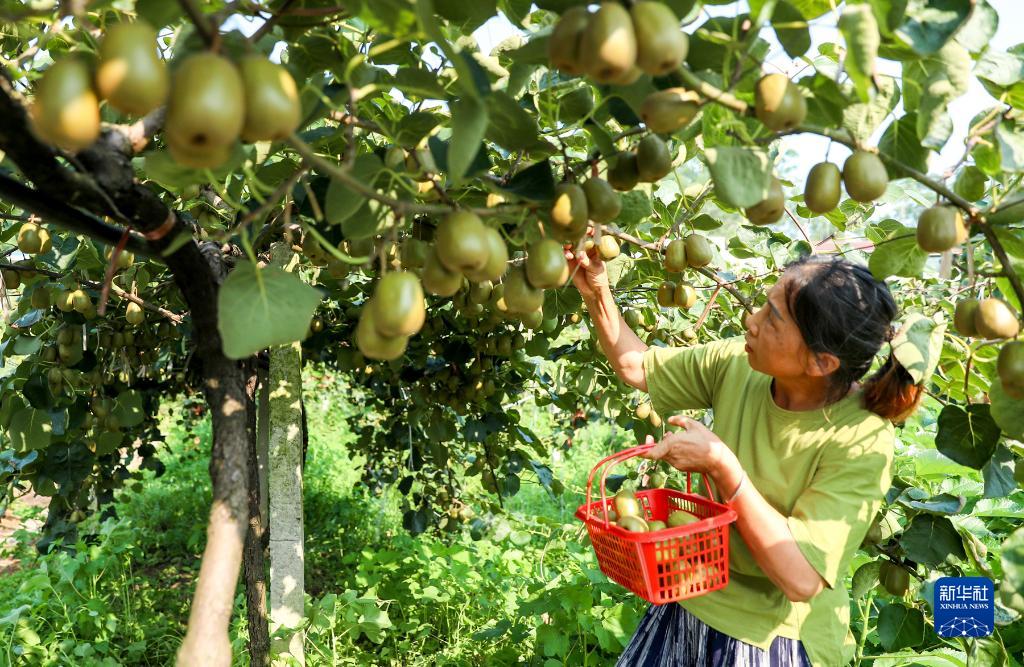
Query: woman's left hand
694, 449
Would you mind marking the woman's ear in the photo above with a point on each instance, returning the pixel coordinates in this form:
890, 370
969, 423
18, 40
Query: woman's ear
821, 364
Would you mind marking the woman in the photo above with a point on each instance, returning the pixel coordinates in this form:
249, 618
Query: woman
800, 449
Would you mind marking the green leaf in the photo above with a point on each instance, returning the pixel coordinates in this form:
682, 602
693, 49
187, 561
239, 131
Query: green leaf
511, 126
826, 102
900, 627
998, 473
414, 127
30, 429
258, 308
742, 175
1011, 145
930, 539
469, 122
863, 118
968, 436
931, 23
980, 28
419, 82
128, 408
902, 143
1007, 412
918, 345
791, 29
899, 255
636, 206
536, 182
341, 201
860, 30
159, 166
158, 13
1012, 558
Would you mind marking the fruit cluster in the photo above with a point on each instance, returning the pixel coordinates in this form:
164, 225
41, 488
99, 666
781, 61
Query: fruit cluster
993, 319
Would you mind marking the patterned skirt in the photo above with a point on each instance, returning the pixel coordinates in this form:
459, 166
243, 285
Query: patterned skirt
669, 636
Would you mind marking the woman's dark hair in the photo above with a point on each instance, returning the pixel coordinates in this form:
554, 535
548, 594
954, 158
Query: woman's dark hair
841, 309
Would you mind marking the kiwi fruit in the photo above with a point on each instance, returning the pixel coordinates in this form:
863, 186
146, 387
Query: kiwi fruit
778, 103
626, 504
963, 317
272, 107
864, 176
675, 256
665, 111
603, 203
66, 110
545, 264
623, 171
205, 110
461, 242
519, 295
608, 44
1010, 368
564, 43
684, 296
633, 524
895, 579
667, 294
698, 251
397, 305
569, 208
437, 279
681, 518
771, 208
653, 160
823, 188
374, 346
994, 319
497, 258
130, 74
940, 228
608, 247
661, 44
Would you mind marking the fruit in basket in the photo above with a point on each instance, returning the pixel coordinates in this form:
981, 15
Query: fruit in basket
633, 524
656, 525
626, 504
681, 518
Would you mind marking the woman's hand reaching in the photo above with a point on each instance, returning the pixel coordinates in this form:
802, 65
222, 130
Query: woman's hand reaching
694, 449
588, 273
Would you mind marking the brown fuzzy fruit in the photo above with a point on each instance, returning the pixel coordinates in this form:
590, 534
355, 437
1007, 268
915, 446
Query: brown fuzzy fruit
778, 103
941, 228
665, 111
995, 319
564, 44
864, 176
771, 208
608, 44
661, 44
823, 188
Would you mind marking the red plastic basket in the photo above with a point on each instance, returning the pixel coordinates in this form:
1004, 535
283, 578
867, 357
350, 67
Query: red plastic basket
666, 565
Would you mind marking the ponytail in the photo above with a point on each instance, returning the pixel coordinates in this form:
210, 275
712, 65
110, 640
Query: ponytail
891, 393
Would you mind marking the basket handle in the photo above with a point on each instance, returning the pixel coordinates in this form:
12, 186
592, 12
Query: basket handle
619, 457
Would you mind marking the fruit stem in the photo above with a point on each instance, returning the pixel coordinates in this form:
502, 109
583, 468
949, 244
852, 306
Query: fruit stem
206, 29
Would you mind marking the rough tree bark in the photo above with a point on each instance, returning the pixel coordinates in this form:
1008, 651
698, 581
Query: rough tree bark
287, 553
254, 564
102, 184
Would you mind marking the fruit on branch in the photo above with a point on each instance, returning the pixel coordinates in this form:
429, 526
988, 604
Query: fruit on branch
80, 301
684, 295
608, 44
272, 107
941, 228
41, 298
778, 103
564, 43
1010, 367
130, 74
894, 578
124, 258
29, 241
698, 251
437, 279
66, 110
770, 209
520, 296
823, 187
675, 256
665, 111
374, 346
497, 258
864, 176
667, 294
546, 267
12, 279
397, 305
134, 314
569, 207
653, 161
608, 248
643, 410
661, 44
623, 171
461, 242
995, 319
205, 110
963, 317
603, 203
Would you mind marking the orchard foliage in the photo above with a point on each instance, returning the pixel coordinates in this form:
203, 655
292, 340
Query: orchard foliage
426, 186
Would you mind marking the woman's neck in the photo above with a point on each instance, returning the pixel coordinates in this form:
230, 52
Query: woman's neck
800, 394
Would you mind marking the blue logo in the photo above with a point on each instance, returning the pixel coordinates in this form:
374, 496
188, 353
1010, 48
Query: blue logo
964, 607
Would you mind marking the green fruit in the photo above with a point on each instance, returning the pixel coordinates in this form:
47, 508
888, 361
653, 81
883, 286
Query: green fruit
461, 242
575, 104
564, 44
12, 279
656, 525
963, 317
130, 74
545, 264
771, 208
643, 410
603, 203
698, 251
41, 298
29, 240
667, 294
864, 176
632, 318
533, 320
44, 241
569, 209
661, 44
940, 228
206, 108
480, 292
397, 305
64, 302
623, 171
209, 158
681, 518
684, 295
437, 279
80, 301
608, 247
374, 346
633, 524
778, 103
675, 256
134, 314
970, 183
66, 111
1010, 367
608, 45
665, 111
894, 578
272, 107
653, 161
823, 188
497, 258
626, 504
520, 296
655, 419
995, 319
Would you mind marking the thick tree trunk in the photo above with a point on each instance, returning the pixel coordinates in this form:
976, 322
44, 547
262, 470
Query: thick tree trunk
253, 562
287, 553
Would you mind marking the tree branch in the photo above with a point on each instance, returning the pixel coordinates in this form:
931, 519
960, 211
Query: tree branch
207, 31
1004, 259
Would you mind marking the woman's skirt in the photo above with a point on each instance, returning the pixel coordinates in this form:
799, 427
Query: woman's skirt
669, 636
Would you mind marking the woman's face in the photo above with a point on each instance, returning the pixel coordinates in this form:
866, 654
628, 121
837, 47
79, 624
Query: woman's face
775, 345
